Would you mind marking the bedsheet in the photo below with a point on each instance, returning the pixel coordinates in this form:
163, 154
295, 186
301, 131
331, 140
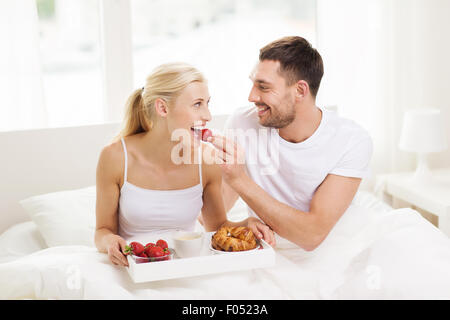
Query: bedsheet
369, 254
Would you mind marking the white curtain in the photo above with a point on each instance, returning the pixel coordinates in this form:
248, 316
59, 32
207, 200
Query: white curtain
381, 58
21, 88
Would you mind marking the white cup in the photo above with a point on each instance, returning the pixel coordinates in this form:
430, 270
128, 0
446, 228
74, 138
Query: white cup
188, 244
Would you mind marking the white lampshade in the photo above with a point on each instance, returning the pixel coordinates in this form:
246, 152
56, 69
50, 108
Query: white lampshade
423, 131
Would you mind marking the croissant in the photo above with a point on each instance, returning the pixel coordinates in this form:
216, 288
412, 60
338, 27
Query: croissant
233, 239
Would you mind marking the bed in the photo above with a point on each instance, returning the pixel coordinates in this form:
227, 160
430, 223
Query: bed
47, 224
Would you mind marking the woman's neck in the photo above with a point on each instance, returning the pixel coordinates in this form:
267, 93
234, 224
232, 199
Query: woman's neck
157, 147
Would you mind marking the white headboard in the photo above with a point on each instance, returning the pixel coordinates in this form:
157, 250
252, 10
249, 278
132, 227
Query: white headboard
47, 160
40, 161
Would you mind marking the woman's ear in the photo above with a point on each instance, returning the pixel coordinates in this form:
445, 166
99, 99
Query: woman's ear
161, 107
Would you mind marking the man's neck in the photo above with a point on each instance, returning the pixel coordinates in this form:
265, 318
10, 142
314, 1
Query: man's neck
306, 122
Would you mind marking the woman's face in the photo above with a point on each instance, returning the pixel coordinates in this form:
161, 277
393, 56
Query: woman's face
190, 111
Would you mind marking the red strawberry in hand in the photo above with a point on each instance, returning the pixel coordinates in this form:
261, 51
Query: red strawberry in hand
135, 248
206, 133
162, 244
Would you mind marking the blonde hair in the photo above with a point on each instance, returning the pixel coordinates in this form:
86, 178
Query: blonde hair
165, 82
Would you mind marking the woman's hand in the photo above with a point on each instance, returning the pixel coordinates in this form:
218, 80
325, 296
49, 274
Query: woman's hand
261, 230
115, 248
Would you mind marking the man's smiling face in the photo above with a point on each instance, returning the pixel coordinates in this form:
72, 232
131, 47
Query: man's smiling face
273, 98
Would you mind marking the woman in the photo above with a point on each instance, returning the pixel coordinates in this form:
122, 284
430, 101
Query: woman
142, 186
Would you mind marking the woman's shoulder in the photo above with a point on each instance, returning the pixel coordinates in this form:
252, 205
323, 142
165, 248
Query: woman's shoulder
111, 160
115, 149
112, 151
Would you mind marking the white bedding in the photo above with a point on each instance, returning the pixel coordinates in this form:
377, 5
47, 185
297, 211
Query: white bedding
370, 254
20, 240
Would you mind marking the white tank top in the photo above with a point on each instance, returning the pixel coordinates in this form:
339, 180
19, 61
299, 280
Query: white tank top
157, 211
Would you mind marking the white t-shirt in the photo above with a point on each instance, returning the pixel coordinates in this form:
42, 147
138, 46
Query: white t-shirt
291, 172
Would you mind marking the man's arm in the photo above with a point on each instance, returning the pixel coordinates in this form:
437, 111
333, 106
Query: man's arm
229, 196
306, 229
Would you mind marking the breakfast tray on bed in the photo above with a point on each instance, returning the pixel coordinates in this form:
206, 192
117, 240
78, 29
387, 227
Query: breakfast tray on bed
208, 262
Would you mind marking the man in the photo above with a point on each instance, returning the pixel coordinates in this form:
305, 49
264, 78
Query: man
321, 157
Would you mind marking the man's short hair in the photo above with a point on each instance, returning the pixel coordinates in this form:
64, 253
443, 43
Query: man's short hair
298, 61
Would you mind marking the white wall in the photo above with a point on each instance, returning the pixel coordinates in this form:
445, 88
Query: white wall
381, 58
423, 51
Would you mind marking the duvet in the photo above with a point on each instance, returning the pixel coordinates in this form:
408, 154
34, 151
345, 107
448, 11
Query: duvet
369, 254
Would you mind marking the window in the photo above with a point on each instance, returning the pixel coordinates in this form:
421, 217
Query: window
221, 38
55, 71
70, 61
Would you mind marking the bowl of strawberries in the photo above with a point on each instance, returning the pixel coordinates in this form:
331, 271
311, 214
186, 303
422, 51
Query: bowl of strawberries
151, 252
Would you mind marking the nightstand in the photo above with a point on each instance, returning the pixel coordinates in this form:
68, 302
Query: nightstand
432, 197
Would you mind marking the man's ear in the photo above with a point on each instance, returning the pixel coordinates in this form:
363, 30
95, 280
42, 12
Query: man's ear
302, 89
161, 107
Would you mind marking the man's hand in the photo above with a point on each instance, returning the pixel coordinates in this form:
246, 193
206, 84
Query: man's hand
231, 158
261, 230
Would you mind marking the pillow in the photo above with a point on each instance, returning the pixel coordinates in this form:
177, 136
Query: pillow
19, 240
64, 218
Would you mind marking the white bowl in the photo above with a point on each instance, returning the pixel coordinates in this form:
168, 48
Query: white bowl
188, 244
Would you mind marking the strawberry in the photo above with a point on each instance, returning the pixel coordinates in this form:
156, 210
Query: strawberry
148, 246
162, 244
206, 133
156, 252
143, 258
167, 254
135, 248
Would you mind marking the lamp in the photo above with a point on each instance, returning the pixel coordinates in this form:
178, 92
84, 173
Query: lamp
423, 132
